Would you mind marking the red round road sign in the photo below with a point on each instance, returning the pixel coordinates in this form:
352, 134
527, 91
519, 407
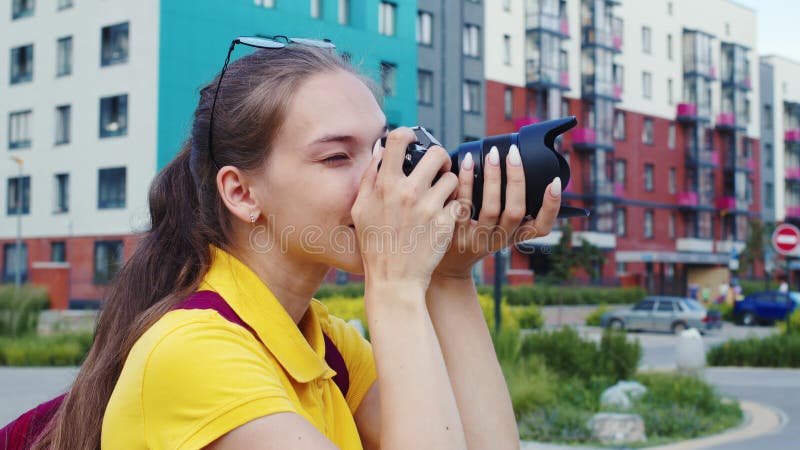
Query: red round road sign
786, 239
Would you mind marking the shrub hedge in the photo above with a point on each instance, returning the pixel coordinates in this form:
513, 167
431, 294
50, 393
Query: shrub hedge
779, 350
19, 311
57, 350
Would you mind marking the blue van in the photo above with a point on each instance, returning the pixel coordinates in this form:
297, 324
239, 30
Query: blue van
765, 307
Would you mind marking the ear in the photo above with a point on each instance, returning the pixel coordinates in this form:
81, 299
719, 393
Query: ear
237, 194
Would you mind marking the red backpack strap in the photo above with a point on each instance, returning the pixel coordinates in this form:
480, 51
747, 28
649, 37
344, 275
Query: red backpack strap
23, 432
212, 300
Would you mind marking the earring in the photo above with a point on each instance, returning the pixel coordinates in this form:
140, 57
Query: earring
252, 218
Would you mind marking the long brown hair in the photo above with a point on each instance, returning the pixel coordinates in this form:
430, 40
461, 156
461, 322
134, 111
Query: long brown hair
186, 215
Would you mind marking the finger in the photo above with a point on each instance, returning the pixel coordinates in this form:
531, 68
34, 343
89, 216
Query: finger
441, 191
434, 161
466, 181
550, 205
514, 210
395, 152
490, 207
526, 231
367, 183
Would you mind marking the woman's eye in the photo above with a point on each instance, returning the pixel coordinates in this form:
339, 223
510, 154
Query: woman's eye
335, 159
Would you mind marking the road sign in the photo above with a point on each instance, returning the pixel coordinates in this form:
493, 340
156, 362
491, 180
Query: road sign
786, 239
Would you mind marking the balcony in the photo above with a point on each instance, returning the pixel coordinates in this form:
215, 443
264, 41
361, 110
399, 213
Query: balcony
520, 122
564, 27
730, 204
564, 79
688, 199
704, 158
619, 190
617, 91
694, 245
549, 23
793, 211
539, 76
726, 121
792, 135
584, 138
686, 112
793, 173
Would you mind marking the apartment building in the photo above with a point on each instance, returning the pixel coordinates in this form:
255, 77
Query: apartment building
667, 146
99, 96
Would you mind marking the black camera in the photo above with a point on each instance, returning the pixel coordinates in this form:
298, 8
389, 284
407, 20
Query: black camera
540, 162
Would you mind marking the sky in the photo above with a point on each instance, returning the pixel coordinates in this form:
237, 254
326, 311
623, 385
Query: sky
778, 22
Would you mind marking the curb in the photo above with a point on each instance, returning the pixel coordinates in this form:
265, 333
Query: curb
759, 420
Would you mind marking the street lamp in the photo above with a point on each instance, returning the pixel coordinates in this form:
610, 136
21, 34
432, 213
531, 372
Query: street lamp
18, 268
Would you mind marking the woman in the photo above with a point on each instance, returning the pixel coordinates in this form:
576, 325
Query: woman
293, 147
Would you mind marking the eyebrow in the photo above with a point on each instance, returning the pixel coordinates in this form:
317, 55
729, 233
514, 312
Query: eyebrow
346, 138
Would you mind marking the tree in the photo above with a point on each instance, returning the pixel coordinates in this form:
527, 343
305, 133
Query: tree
753, 248
566, 259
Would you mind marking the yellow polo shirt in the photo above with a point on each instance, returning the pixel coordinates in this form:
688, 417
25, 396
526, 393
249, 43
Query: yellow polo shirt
194, 376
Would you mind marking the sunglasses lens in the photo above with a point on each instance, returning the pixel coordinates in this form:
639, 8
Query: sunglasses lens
261, 42
313, 42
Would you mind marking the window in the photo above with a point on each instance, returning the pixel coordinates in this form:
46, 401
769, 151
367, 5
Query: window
622, 268
472, 96
64, 56
111, 188
22, 64
62, 193
672, 180
506, 49
769, 195
344, 12
508, 103
19, 129
671, 226
647, 85
424, 28
768, 117
619, 125
107, 260
647, 132
21, 8
471, 40
669, 47
621, 222
671, 137
670, 99
646, 40
19, 196
265, 3
11, 261
58, 251
386, 12
425, 87
645, 305
63, 119
114, 116
648, 177
114, 49
648, 224
769, 156
665, 306
620, 172
64, 4
316, 9
388, 82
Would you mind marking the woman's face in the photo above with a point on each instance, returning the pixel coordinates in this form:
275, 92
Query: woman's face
312, 175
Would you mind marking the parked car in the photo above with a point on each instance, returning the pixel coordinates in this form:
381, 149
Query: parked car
765, 307
664, 313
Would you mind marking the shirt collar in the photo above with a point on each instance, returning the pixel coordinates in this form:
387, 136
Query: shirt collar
300, 352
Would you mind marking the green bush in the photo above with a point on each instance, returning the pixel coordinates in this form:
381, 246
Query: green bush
794, 323
349, 290
753, 286
541, 294
57, 350
566, 353
779, 350
594, 319
19, 310
528, 317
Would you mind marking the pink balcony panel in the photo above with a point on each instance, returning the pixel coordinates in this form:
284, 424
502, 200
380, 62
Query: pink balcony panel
747, 83
793, 211
793, 173
617, 42
687, 109
713, 72
726, 119
619, 190
751, 164
715, 157
617, 91
564, 78
583, 136
792, 135
726, 203
565, 27
520, 122
687, 198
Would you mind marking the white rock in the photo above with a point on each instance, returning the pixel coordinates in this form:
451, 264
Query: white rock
617, 429
690, 351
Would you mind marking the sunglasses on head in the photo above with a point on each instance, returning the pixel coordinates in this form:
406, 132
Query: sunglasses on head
268, 42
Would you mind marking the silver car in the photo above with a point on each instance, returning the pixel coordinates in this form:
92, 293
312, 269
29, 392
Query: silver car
662, 313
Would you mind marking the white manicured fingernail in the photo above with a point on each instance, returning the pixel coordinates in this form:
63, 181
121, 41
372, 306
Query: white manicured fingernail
376, 147
513, 156
555, 187
494, 156
467, 163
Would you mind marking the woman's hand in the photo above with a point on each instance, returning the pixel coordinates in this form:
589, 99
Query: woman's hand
403, 223
493, 231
